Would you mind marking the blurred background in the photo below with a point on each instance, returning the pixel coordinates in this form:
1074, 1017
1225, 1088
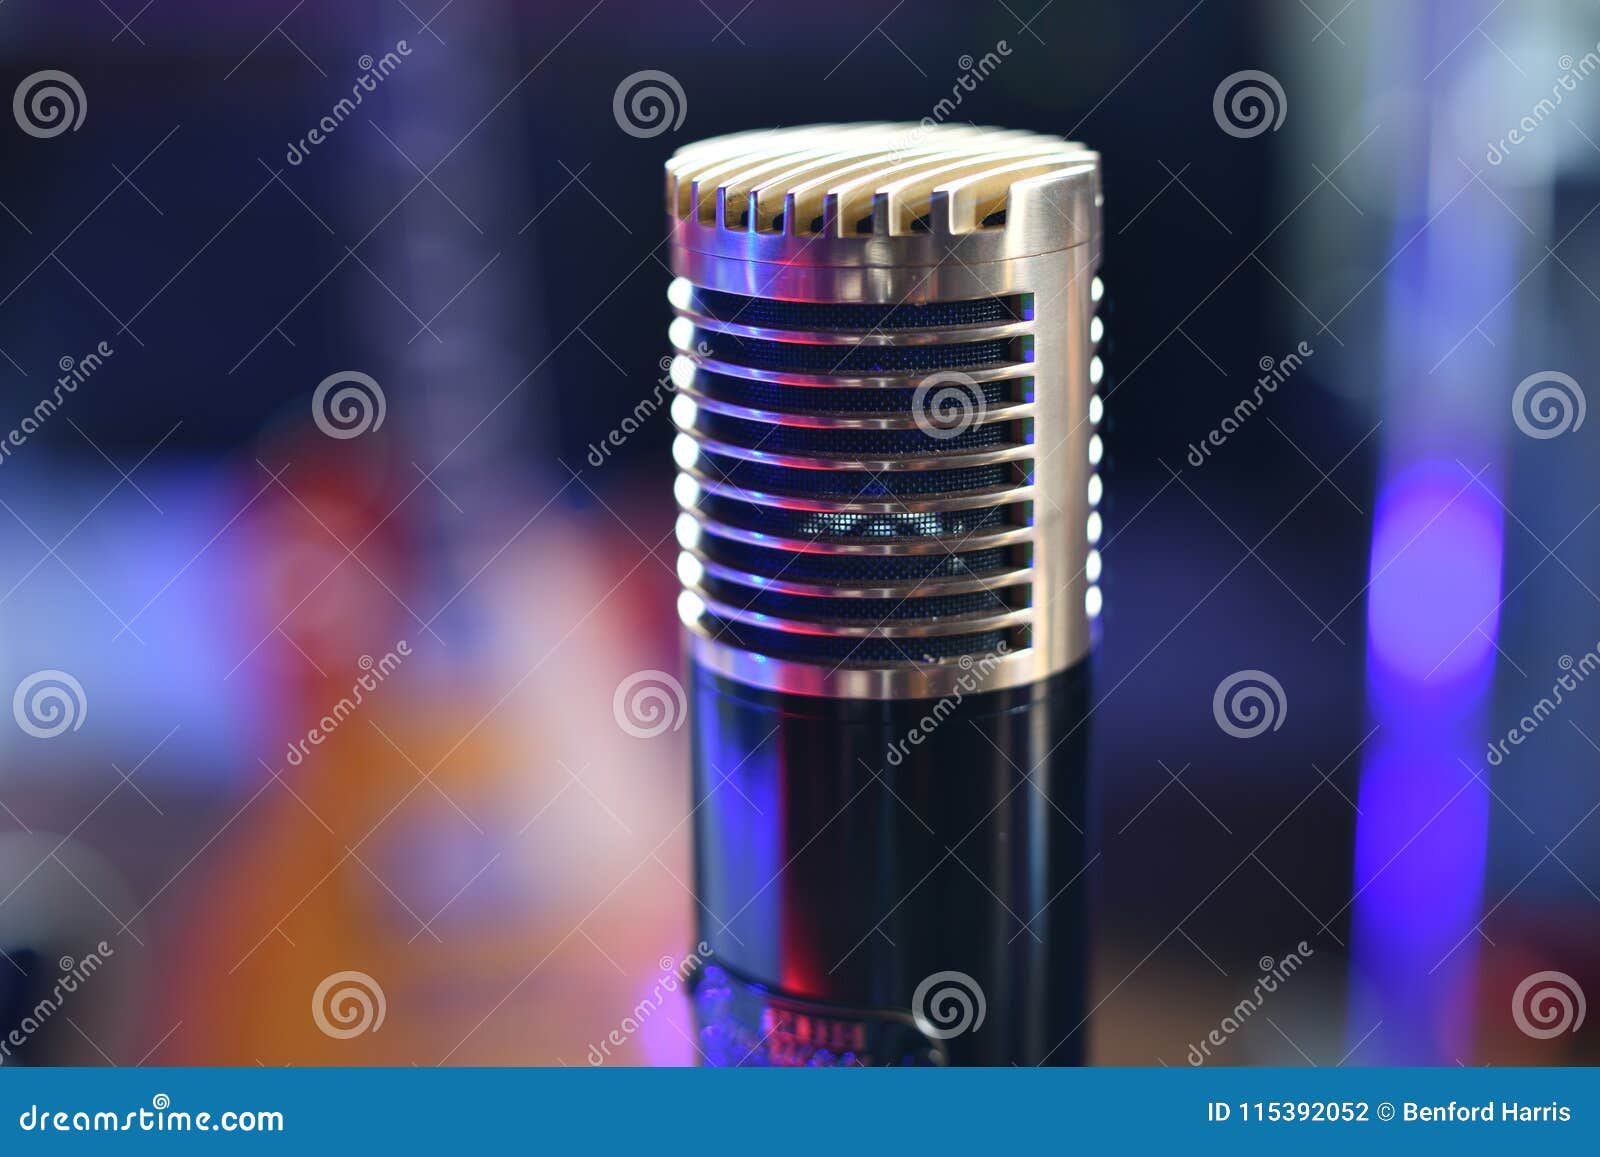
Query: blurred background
314, 683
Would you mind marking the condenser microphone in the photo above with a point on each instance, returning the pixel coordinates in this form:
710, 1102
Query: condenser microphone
885, 370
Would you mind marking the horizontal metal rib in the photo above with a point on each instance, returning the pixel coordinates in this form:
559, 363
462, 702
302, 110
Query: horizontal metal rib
1010, 412
911, 504
1017, 452
988, 331
842, 629
1010, 371
930, 587
983, 539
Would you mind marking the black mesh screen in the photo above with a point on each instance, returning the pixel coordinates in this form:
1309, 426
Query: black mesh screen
810, 439
827, 316
839, 400
963, 430
853, 569
854, 483
856, 359
811, 524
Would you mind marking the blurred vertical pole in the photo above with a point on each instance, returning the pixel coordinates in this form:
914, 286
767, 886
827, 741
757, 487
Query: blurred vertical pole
1435, 567
465, 371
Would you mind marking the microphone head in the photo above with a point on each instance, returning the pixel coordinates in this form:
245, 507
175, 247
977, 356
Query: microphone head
886, 371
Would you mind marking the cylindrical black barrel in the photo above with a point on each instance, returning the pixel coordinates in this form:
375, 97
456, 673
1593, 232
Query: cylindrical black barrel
891, 882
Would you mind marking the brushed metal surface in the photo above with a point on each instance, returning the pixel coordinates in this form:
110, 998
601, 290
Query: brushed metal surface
887, 215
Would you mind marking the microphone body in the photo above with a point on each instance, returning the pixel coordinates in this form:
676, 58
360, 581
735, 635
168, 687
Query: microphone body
885, 381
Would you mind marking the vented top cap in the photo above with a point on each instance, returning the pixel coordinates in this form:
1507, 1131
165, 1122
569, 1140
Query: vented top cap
824, 190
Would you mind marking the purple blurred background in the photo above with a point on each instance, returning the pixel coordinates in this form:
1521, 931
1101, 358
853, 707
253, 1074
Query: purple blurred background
1396, 534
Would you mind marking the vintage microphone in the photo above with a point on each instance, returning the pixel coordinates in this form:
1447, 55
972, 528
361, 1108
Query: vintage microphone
885, 377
